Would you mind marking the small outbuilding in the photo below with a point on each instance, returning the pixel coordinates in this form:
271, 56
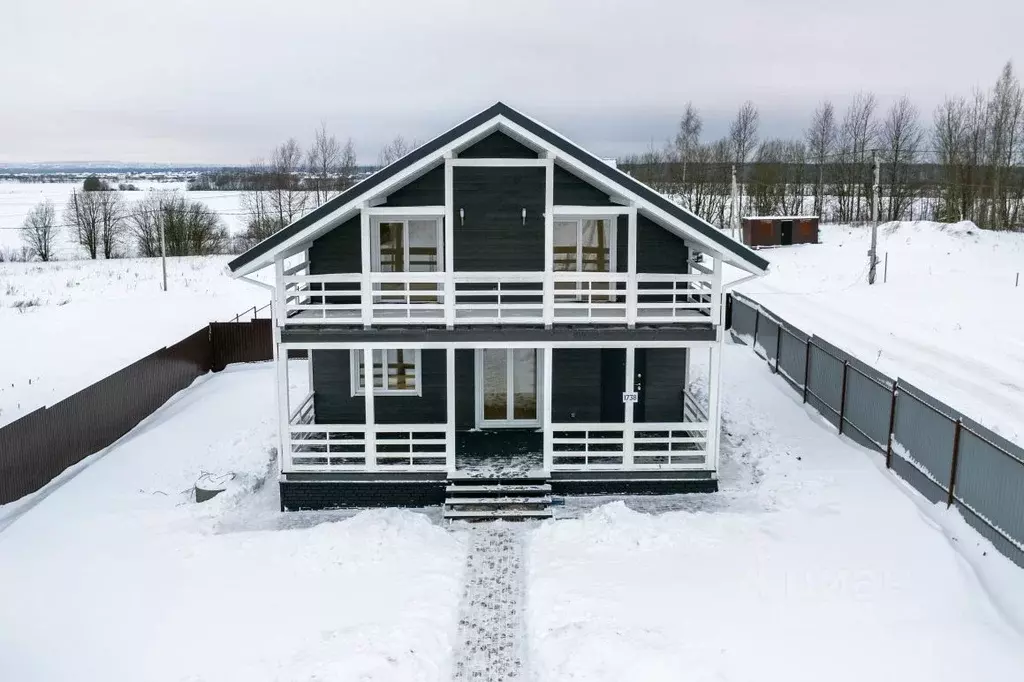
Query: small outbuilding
780, 230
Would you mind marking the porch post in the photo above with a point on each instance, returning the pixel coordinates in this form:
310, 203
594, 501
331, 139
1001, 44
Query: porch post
549, 240
371, 435
449, 241
280, 294
547, 362
450, 432
714, 403
627, 427
631, 274
365, 244
283, 409
716, 294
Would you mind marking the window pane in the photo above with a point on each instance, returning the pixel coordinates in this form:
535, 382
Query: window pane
378, 376
524, 383
423, 256
495, 381
596, 238
392, 247
565, 233
402, 369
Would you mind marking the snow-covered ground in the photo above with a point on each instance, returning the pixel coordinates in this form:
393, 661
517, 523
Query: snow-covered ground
812, 563
18, 198
68, 324
948, 319
118, 575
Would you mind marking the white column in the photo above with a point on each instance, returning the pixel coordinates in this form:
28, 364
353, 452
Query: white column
450, 432
627, 427
279, 293
371, 435
714, 405
549, 241
547, 362
716, 294
631, 285
366, 246
283, 411
449, 241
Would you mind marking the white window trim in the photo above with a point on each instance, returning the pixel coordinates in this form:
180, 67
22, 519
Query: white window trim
405, 219
417, 373
478, 372
612, 241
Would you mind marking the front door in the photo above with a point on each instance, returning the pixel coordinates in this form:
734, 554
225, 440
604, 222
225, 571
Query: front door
787, 232
506, 388
613, 384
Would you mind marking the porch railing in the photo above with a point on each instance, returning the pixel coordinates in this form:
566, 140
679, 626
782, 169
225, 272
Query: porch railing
352, 447
593, 447
497, 298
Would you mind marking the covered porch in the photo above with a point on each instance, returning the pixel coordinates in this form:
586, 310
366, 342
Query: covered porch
495, 408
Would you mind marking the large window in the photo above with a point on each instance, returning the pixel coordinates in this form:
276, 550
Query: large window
506, 380
585, 245
396, 371
413, 245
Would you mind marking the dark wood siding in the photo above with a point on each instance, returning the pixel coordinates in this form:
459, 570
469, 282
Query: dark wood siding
497, 145
663, 384
427, 190
658, 250
492, 236
338, 251
465, 392
333, 402
572, 191
576, 385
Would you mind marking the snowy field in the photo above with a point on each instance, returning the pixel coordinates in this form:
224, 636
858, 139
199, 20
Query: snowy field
948, 319
812, 563
18, 198
68, 324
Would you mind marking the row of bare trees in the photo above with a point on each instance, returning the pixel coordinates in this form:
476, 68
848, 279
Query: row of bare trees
968, 165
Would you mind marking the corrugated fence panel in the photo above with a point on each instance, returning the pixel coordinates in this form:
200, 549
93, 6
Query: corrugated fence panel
824, 382
923, 432
744, 317
767, 339
793, 355
990, 482
241, 342
867, 407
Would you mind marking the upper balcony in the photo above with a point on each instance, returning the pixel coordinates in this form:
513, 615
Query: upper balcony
477, 298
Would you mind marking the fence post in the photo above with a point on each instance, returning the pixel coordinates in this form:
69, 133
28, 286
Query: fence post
778, 344
807, 366
842, 396
953, 466
892, 426
757, 322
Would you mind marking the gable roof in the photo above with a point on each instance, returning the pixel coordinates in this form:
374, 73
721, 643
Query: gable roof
262, 254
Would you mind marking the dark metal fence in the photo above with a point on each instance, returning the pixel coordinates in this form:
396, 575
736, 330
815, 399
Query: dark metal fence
940, 452
42, 444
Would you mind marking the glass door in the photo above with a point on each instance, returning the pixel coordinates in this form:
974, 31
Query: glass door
506, 382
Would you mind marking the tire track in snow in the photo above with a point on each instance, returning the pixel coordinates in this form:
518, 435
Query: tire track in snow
490, 646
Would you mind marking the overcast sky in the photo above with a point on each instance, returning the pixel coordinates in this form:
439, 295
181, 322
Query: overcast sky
223, 81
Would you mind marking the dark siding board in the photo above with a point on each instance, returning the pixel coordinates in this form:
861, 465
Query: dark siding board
426, 190
573, 191
492, 236
333, 402
663, 384
632, 487
498, 145
659, 251
622, 244
576, 384
338, 251
613, 383
303, 495
465, 388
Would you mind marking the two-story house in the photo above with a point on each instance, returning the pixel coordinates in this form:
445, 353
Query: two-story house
497, 316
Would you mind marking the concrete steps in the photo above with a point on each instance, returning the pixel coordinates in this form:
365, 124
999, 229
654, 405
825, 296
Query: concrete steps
488, 499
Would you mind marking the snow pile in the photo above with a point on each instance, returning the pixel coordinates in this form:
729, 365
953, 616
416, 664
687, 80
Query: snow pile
947, 319
811, 564
139, 582
69, 324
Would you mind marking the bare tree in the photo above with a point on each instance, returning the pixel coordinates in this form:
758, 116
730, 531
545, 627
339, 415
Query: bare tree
324, 161
853, 175
743, 136
1005, 130
287, 199
821, 137
39, 231
900, 137
687, 139
83, 215
347, 166
189, 227
111, 214
394, 150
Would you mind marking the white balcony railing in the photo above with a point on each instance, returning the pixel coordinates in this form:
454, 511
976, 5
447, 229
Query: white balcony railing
639, 446
498, 298
348, 447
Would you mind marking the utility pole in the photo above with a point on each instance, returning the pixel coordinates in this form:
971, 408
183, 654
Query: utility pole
875, 210
163, 246
734, 229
